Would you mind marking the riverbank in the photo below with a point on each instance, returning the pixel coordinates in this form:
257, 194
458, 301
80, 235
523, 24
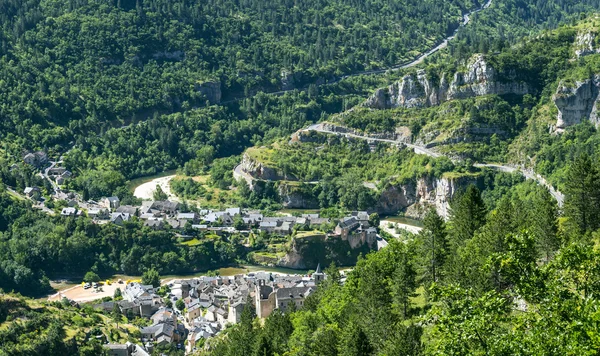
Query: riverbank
146, 190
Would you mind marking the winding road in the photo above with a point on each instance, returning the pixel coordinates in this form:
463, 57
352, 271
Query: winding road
420, 59
527, 173
240, 173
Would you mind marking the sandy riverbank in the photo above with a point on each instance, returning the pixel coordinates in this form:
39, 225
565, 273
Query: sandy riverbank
146, 190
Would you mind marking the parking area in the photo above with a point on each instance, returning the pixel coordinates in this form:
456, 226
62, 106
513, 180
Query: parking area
79, 294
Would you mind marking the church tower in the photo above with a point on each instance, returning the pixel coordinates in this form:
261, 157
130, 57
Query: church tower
318, 275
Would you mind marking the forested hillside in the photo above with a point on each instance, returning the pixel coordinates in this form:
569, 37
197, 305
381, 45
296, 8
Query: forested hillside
515, 281
70, 67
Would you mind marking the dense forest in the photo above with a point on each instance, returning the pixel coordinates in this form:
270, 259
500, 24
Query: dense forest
75, 72
68, 67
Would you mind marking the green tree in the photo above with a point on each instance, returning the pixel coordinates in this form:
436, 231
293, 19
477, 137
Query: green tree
433, 246
467, 215
180, 304
355, 342
116, 313
91, 277
263, 346
543, 224
159, 194
151, 277
243, 336
582, 194
278, 327
403, 283
374, 220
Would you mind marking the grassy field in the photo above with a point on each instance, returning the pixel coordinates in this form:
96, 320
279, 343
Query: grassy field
213, 198
262, 155
304, 234
403, 220
193, 242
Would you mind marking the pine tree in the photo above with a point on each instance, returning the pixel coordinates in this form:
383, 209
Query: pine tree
582, 195
543, 222
404, 283
467, 215
263, 346
434, 245
355, 342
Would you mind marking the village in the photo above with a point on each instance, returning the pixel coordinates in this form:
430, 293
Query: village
163, 214
188, 312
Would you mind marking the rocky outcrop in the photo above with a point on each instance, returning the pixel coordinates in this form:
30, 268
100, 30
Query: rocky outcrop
293, 197
308, 251
577, 103
293, 259
212, 91
584, 44
288, 81
416, 90
258, 170
416, 199
396, 198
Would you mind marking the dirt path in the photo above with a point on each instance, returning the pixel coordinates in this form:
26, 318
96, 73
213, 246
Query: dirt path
385, 226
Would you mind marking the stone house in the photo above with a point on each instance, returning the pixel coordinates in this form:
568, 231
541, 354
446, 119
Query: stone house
33, 193
36, 159
119, 218
235, 312
346, 226
110, 203
128, 209
193, 311
127, 349
98, 213
286, 297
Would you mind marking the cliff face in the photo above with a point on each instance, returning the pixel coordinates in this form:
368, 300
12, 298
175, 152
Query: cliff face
584, 44
294, 198
415, 200
308, 252
416, 90
577, 103
258, 170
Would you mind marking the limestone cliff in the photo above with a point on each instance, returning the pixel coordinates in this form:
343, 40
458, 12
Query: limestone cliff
416, 199
296, 197
577, 103
416, 90
585, 44
308, 251
258, 170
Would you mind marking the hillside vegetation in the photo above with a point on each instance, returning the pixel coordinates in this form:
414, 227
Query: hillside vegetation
516, 280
